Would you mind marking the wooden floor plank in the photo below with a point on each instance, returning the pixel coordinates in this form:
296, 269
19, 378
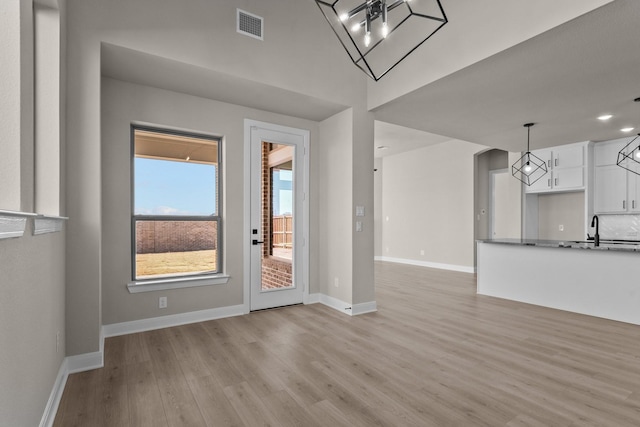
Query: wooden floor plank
435, 354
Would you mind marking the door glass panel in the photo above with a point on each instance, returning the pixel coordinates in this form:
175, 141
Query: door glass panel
277, 216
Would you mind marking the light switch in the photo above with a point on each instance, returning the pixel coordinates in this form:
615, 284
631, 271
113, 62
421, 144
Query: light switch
359, 210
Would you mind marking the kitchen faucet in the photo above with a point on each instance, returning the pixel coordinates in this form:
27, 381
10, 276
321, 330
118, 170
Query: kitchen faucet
595, 222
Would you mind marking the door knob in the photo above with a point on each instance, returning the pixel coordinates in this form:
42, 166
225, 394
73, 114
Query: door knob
256, 242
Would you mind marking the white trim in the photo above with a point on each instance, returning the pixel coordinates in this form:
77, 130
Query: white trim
153, 323
246, 252
452, 267
335, 303
17, 213
50, 411
176, 283
13, 224
341, 306
311, 299
86, 361
43, 224
364, 307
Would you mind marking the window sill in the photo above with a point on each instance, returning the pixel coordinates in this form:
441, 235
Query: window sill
176, 283
13, 224
43, 224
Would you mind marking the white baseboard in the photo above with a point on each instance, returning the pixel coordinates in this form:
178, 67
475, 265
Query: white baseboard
50, 411
143, 325
85, 362
364, 307
341, 306
452, 267
311, 299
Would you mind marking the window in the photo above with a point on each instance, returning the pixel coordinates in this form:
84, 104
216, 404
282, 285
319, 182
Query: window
282, 207
176, 204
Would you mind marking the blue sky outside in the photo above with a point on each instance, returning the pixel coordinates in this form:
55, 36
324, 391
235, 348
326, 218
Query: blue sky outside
165, 187
282, 192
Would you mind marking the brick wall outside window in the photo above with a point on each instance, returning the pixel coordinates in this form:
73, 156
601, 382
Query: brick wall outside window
175, 236
276, 273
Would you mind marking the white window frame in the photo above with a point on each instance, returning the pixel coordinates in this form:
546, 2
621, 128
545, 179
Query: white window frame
188, 279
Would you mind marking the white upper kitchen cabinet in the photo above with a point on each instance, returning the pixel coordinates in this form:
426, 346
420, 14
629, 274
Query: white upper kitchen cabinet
610, 189
616, 190
565, 169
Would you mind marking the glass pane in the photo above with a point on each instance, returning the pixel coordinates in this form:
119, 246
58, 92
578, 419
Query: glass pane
174, 188
167, 248
175, 175
277, 216
282, 218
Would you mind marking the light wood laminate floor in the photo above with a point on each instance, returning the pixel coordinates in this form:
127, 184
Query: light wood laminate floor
435, 354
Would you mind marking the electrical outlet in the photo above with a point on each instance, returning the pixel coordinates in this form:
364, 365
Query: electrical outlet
162, 302
421, 251
336, 282
561, 227
58, 342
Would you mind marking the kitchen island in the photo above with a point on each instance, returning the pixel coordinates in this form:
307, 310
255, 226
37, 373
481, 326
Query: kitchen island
574, 276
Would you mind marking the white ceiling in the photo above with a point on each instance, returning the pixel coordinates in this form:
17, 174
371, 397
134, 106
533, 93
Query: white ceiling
392, 139
151, 70
561, 80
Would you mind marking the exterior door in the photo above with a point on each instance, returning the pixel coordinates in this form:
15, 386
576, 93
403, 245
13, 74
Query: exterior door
278, 217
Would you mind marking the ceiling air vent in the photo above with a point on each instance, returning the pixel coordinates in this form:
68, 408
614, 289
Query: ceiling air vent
249, 24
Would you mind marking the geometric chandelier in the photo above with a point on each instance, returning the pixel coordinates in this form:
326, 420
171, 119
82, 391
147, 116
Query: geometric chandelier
629, 156
529, 168
378, 34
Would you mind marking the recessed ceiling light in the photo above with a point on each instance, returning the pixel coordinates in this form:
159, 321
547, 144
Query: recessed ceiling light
626, 129
382, 147
605, 117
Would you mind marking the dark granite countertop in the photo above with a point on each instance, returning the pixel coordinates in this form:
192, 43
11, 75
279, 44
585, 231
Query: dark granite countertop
605, 245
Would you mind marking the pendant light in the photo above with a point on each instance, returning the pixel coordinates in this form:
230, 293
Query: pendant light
379, 34
529, 168
629, 156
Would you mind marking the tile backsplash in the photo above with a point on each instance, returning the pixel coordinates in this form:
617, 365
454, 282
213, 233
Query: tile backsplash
618, 227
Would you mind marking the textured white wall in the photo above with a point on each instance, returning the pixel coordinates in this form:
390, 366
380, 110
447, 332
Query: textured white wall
428, 198
32, 301
335, 193
32, 269
9, 99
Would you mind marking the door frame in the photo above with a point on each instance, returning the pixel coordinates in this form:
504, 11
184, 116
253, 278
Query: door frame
492, 198
302, 271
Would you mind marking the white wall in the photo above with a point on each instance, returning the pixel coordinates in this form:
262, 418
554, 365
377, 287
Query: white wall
124, 103
32, 268
362, 187
566, 209
201, 34
428, 205
335, 201
32, 300
9, 99
16, 106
